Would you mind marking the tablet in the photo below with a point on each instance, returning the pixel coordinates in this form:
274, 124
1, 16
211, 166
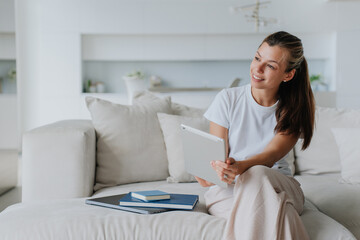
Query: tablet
200, 148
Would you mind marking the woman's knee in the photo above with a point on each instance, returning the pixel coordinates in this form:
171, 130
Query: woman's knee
256, 173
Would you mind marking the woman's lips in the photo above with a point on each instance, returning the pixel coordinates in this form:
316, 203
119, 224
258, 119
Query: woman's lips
256, 78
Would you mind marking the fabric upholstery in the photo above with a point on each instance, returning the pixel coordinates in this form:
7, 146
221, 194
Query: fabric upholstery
322, 156
58, 161
337, 200
183, 110
346, 139
130, 146
73, 219
170, 125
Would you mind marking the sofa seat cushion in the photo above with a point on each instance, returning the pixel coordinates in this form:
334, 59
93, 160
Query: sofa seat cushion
337, 200
73, 219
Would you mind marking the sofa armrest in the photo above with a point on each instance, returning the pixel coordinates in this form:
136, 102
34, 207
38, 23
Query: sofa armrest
59, 161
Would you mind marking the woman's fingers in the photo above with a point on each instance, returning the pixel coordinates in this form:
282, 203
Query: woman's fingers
225, 174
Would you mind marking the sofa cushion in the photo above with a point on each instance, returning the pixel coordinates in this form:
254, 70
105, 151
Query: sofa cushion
130, 146
347, 139
337, 200
170, 126
183, 110
322, 156
73, 219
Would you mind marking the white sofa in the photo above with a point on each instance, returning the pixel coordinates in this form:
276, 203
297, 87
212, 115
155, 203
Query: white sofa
62, 162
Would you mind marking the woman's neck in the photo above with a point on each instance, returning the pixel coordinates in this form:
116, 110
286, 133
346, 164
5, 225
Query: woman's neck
264, 97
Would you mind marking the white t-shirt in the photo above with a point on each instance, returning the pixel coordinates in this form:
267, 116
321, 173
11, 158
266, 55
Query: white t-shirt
251, 126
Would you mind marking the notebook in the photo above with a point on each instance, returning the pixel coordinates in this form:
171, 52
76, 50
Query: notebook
152, 195
176, 201
200, 148
113, 202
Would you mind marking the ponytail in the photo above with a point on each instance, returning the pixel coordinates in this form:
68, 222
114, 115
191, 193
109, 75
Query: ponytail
295, 113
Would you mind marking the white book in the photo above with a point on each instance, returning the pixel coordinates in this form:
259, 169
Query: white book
152, 195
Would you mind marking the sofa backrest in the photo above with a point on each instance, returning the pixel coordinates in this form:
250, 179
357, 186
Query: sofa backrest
322, 156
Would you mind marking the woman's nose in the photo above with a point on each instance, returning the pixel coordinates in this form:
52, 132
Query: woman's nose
260, 68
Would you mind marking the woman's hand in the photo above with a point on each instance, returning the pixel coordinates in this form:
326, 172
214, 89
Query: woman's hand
203, 182
228, 170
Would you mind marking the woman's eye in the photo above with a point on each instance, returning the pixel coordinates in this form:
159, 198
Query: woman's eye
270, 66
257, 59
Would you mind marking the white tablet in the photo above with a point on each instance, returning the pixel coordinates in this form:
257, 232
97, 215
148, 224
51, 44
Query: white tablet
200, 148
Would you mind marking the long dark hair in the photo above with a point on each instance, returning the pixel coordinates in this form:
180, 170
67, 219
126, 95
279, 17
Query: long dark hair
295, 111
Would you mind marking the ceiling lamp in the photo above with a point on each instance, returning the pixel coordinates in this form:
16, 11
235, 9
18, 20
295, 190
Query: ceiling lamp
255, 13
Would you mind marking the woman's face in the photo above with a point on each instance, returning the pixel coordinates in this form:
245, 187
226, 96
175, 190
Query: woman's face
267, 70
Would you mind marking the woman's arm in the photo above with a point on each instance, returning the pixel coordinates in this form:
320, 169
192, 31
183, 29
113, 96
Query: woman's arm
278, 147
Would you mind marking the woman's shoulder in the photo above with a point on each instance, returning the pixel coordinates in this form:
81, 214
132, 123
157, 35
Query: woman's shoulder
236, 92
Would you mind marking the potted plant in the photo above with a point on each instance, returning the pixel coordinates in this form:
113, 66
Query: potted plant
317, 83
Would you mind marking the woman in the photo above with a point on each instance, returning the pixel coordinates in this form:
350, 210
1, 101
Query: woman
261, 122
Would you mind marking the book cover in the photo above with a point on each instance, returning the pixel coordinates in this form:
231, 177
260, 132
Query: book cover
150, 195
113, 202
176, 201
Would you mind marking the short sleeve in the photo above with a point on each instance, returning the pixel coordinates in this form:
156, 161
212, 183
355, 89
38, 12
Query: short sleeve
218, 112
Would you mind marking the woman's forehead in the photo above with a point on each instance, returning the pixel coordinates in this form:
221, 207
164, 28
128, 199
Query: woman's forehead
273, 53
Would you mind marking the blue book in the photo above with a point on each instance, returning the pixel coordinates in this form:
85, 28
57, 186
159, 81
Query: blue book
113, 202
176, 201
153, 195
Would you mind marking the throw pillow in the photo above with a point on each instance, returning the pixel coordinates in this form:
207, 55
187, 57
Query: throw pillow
183, 110
177, 108
170, 125
130, 146
322, 156
347, 140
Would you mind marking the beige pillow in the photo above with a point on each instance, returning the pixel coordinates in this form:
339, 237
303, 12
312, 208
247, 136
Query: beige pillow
170, 125
348, 141
322, 156
183, 110
130, 146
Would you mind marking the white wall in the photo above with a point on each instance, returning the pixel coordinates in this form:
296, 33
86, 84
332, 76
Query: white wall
49, 41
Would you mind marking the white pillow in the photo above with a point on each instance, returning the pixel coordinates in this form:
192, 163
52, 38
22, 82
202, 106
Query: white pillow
130, 146
170, 125
322, 156
348, 142
290, 159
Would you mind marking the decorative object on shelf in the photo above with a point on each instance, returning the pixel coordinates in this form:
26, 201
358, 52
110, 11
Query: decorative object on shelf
317, 84
255, 15
90, 86
155, 81
135, 82
100, 87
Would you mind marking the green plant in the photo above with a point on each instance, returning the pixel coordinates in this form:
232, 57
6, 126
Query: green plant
137, 74
315, 77
12, 74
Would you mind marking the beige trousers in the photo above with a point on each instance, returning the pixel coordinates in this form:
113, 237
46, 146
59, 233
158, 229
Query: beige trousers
262, 204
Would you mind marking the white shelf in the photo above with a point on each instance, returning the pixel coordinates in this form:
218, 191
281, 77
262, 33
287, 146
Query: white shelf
170, 89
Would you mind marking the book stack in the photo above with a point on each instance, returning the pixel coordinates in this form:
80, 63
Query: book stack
147, 202
153, 195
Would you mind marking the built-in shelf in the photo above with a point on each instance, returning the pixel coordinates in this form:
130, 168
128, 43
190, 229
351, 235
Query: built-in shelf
169, 89
188, 62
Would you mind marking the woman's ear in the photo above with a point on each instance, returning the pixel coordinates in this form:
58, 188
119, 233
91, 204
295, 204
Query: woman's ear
289, 75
